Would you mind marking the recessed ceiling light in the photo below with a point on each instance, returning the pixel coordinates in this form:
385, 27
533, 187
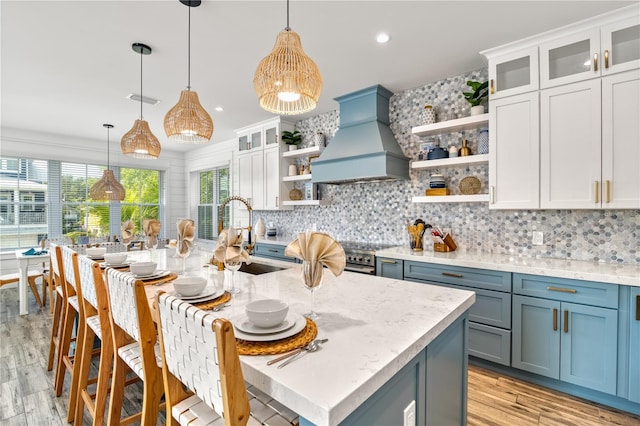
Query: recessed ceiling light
145, 99
382, 38
219, 109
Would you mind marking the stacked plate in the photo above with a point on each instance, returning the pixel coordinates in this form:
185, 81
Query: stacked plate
158, 273
437, 181
209, 293
246, 330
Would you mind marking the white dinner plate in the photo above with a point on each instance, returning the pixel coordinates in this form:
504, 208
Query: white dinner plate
95, 257
114, 265
298, 326
243, 324
157, 274
207, 294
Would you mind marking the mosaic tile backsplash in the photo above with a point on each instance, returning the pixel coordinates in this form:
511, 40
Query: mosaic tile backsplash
380, 211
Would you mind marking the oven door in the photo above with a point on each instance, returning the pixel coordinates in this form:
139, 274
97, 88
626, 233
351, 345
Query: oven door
361, 269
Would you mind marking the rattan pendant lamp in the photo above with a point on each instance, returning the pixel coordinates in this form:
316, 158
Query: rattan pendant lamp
188, 121
108, 187
139, 142
287, 81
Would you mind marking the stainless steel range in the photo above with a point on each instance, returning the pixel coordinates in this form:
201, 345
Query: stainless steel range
361, 257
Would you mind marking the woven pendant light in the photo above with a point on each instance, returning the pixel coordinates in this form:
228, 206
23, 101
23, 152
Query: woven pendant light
108, 187
188, 121
139, 142
287, 81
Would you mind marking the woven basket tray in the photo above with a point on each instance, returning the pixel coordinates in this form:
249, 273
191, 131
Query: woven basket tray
209, 304
299, 340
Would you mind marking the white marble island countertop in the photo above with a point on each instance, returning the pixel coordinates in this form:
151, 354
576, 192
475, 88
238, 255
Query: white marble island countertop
574, 269
375, 326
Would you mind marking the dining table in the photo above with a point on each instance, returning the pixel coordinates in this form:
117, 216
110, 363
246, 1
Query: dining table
391, 345
24, 260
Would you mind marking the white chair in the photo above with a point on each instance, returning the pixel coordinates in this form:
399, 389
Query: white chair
199, 351
131, 319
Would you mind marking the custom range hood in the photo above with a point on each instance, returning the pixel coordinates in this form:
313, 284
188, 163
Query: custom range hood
364, 148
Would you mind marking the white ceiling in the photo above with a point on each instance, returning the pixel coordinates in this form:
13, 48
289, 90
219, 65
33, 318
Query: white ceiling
68, 65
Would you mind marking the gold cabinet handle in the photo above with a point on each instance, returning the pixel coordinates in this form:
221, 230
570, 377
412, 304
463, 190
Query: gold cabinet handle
566, 320
595, 62
607, 191
606, 59
555, 319
638, 307
492, 88
272, 250
562, 289
596, 191
450, 274
392, 262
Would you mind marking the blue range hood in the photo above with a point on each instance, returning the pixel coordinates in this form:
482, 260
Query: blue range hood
364, 148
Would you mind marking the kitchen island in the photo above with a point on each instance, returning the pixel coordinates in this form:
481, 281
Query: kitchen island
390, 343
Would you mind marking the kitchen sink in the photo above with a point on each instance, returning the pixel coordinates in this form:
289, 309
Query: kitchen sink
259, 268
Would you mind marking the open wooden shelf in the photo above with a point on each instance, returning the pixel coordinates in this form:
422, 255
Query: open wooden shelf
476, 198
450, 126
448, 162
306, 203
304, 152
296, 178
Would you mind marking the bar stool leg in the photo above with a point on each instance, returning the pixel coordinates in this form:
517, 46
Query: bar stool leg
55, 329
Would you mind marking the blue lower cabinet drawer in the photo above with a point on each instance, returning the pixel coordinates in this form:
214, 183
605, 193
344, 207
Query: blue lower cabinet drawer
273, 251
567, 290
469, 277
490, 343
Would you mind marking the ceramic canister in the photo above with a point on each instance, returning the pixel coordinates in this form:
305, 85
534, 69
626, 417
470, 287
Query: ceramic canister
428, 115
483, 142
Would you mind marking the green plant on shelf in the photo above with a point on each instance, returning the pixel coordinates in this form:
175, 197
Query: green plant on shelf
291, 138
479, 94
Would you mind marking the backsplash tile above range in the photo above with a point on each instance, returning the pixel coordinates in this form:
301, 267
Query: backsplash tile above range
380, 211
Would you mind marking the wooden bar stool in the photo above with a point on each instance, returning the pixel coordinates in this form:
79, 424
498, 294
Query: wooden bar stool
193, 341
131, 320
60, 300
31, 279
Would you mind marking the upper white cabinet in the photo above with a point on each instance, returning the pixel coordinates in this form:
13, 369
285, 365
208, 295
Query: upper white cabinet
590, 53
260, 165
513, 73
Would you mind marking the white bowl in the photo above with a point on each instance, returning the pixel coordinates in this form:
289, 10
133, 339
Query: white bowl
143, 268
95, 251
115, 258
267, 313
189, 286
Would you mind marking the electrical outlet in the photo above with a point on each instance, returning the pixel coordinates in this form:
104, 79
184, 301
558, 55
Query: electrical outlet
410, 414
537, 239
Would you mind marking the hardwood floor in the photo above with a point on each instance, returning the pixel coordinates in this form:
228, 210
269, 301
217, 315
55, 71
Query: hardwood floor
27, 397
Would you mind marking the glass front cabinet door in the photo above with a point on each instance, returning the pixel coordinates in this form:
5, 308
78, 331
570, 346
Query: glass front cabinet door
620, 44
513, 73
571, 58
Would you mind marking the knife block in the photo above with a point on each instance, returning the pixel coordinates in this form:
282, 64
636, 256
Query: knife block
449, 245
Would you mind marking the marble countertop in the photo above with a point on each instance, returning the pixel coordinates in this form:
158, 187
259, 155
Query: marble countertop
280, 241
562, 268
374, 325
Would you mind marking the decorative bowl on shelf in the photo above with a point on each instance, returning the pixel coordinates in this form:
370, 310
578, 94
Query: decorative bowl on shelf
295, 194
470, 185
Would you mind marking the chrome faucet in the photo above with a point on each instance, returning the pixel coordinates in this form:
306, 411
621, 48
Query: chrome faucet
249, 247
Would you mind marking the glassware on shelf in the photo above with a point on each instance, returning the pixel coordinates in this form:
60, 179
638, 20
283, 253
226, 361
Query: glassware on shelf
312, 275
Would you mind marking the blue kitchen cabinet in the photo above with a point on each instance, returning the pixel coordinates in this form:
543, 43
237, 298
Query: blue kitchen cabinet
634, 345
389, 268
272, 251
572, 342
490, 315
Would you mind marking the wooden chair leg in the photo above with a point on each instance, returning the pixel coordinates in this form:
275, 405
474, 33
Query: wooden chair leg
55, 329
84, 348
34, 290
117, 391
102, 386
152, 396
63, 347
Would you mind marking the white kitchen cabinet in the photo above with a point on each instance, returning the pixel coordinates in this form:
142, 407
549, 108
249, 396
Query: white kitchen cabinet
595, 51
514, 157
513, 73
260, 165
590, 144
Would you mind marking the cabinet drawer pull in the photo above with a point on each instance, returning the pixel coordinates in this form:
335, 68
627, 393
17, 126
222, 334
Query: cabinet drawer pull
596, 191
595, 62
493, 90
607, 191
638, 307
555, 319
392, 262
272, 250
566, 320
562, 289
450, 274
606, 59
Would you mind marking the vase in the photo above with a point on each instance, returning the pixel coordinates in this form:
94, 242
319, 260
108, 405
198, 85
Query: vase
477, 110
428, 115
293, 147
483, 142
260, 228
318, 139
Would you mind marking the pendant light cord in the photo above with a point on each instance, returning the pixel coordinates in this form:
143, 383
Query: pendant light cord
108, 151
189, 52
141, 55
288, 28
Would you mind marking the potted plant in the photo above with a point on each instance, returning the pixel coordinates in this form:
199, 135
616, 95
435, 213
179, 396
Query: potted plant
477, 97
292, 139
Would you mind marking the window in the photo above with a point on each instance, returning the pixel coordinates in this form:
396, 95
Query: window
81, 216
23, 202
213, 188
142, 200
